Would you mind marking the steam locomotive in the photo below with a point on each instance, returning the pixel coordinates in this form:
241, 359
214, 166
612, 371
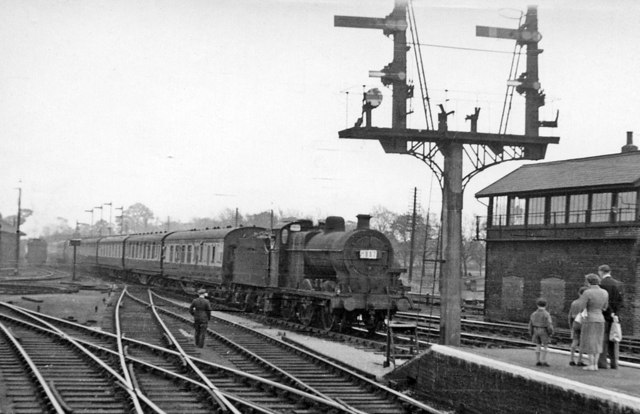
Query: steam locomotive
316, 274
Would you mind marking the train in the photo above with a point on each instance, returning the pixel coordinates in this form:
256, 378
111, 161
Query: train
321, 275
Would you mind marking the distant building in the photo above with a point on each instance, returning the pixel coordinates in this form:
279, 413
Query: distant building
8, 245
549, 224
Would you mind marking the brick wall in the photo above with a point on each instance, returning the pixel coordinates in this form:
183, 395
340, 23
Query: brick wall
535, 261
471, 387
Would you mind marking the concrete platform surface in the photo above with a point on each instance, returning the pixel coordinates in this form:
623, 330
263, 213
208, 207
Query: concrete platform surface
622, 384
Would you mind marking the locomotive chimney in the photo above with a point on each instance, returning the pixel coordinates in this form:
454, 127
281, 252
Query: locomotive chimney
363, 221
334, 223
629, 147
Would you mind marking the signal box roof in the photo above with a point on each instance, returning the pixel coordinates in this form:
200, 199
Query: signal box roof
605, 172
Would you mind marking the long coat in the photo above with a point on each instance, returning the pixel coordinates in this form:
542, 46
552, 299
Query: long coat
612, 286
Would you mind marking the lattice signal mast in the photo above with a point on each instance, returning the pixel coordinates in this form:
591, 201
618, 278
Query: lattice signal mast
433, 144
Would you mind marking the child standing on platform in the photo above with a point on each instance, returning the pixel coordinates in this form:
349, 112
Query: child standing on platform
575, 323
541, 328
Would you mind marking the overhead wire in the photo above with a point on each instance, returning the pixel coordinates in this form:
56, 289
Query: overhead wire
504, 118
424, 90
472, 49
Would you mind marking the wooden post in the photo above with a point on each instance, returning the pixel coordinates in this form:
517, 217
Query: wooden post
18, 231
450, 271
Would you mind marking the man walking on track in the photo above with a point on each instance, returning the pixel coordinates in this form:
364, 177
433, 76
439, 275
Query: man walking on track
201, 310
612, 286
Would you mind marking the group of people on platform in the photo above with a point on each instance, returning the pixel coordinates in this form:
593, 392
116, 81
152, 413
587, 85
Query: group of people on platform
590, 317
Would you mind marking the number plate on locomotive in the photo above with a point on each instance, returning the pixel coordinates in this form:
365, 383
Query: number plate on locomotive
369, 254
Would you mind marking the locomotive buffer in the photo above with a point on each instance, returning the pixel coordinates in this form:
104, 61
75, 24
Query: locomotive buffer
433, 144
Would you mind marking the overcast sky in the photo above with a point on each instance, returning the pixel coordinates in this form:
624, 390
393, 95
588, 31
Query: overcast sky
193, 106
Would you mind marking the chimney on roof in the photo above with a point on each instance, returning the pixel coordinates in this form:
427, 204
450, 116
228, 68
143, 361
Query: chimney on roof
629, 147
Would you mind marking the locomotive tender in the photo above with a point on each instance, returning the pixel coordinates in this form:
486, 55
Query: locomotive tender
322, 274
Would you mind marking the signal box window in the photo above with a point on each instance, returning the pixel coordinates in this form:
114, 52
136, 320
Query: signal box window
600, 207
535, 214
499, 213
578, 205
516, 211
626, 206
558, 207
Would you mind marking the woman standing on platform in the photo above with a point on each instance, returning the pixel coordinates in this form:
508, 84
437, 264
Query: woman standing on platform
594, 300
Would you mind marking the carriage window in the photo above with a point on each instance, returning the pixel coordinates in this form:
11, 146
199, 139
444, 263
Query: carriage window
217, 257
600, 207
189, 253
578, 204
208, 254
626, 206
516, 211
171, 253
535, 215
183, 251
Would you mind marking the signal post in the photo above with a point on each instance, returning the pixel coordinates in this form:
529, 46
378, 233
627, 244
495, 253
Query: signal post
482, 149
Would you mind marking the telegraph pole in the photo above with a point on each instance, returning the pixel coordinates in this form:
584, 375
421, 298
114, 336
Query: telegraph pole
485, 149
413, 234
18, 230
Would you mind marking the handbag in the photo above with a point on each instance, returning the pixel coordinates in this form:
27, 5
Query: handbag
581, 316
615, 335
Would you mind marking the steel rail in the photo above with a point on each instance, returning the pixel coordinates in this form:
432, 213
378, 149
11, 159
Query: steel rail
123, 363
231, 371
222, 400
151, 367
301, 384
63, 335
333, 365
42, 383
121, 356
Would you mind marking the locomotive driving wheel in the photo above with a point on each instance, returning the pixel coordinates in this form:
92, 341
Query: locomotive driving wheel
327, 318
288, 310
374, 322
345, 322
306, 313
249, 302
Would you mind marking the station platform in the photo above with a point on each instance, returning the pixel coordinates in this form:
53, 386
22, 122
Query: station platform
507, 380
625, 379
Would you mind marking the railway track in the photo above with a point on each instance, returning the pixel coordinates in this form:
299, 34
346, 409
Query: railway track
324, 377
509, 334
247, 380
68, 377
152, 374
148, 369
476, 333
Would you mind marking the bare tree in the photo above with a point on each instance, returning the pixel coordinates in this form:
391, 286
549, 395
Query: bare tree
137, 218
